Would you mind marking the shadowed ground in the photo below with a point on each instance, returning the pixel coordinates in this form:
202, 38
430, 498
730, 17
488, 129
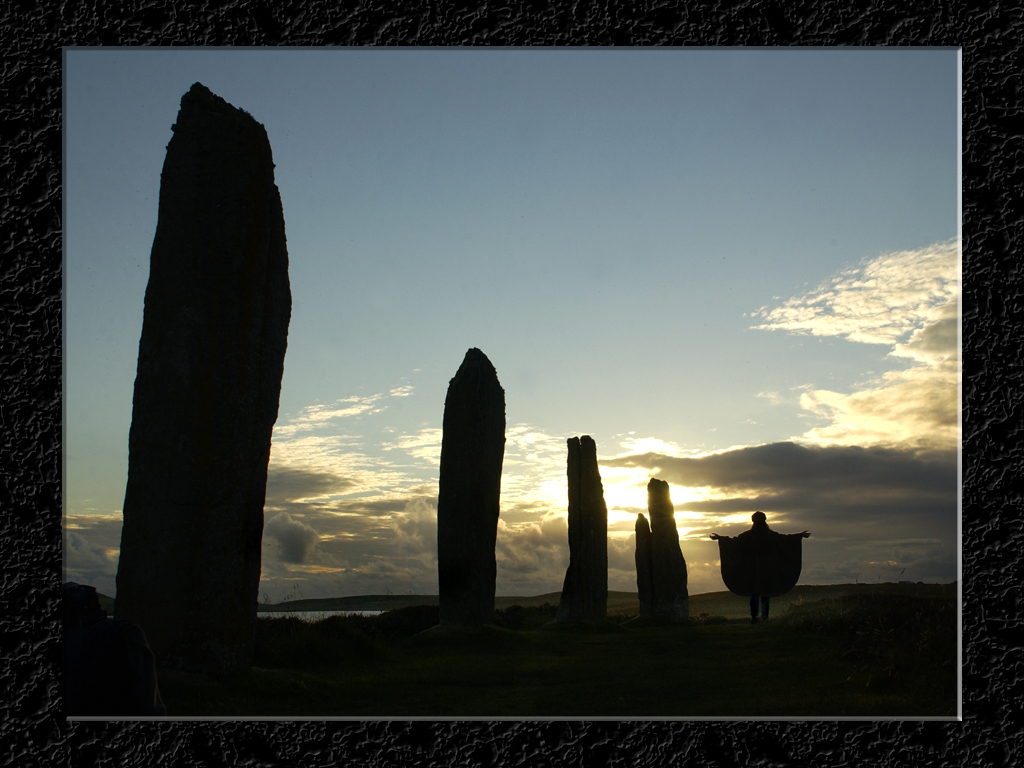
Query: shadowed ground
866, 650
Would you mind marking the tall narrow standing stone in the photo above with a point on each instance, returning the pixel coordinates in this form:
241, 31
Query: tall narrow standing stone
668, 566
585, 590
211, 356
469, 489
644, 566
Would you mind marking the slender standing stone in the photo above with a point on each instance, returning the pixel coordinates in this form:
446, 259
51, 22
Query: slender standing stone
668, 566
644, 566
585, 590
211, 356
469, 489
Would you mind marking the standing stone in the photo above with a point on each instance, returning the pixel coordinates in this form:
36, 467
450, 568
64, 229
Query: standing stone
211, 356
670, 597
644, 566
469, 489
585, 590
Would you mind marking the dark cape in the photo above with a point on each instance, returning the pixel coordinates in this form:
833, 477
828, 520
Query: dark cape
760, 561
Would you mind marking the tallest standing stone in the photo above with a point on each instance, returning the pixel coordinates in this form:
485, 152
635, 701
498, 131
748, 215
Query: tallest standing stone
469, 487
211, 356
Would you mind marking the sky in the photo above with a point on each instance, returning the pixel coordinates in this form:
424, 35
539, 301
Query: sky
738, 270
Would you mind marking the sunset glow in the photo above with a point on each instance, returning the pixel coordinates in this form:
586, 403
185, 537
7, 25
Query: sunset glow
738, 271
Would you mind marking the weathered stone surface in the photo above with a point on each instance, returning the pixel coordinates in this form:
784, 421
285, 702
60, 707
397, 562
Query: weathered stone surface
211, 356
469, 488
644, 566
585, 590
670, 596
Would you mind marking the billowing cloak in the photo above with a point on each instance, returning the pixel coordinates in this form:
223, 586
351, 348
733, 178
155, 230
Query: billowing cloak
760, 561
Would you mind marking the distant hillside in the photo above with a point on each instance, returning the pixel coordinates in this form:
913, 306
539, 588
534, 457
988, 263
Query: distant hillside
712, 603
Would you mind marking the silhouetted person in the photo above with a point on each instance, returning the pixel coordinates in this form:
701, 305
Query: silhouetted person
109, 669
760, 563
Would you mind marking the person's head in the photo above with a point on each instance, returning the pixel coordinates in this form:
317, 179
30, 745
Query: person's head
759, 518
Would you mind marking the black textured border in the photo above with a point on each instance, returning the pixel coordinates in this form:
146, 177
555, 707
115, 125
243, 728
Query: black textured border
31, 723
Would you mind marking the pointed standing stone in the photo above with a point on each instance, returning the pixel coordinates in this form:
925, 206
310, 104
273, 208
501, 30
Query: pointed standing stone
585, 590
469, 489
211, 356
644, 566
668, 566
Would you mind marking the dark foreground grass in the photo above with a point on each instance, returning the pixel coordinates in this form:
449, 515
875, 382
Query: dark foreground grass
872, 654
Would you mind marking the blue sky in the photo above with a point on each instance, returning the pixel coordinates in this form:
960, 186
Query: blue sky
695, 256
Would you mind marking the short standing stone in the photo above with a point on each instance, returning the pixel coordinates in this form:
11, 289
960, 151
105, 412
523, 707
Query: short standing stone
211, 356
469, 489
644, 566
668, 566
585, 590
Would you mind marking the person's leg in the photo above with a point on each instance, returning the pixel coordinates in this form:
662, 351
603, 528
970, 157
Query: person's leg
753, 608
764, 607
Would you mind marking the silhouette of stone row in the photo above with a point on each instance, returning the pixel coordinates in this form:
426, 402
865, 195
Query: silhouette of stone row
211, 357
585, 590
469, 488
661, 569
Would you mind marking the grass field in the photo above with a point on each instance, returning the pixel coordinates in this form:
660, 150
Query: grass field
883, 650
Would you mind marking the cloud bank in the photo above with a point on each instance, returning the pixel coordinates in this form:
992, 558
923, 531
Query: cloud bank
875, 479
907, 300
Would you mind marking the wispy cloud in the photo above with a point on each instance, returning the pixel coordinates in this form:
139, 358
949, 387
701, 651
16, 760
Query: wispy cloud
424, 444
881, 301
908, 301
315, 417
322, 465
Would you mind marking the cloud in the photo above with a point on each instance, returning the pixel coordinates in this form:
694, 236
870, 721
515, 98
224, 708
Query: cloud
91, 546
917, 408
425, 445
295, 540
285, 483
873, 511
908, 300
532, 558
847, 489
319, 416
416, 529
881, 301
332, 464
362, 546
936, 342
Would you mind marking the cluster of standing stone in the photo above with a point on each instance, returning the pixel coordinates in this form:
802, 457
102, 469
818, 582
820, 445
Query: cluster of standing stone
660, 567
585, 590
469, 490
211, 357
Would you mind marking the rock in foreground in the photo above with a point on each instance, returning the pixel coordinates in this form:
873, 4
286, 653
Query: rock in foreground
469, 489
644, 566
585, 590
668, 568
211, 356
